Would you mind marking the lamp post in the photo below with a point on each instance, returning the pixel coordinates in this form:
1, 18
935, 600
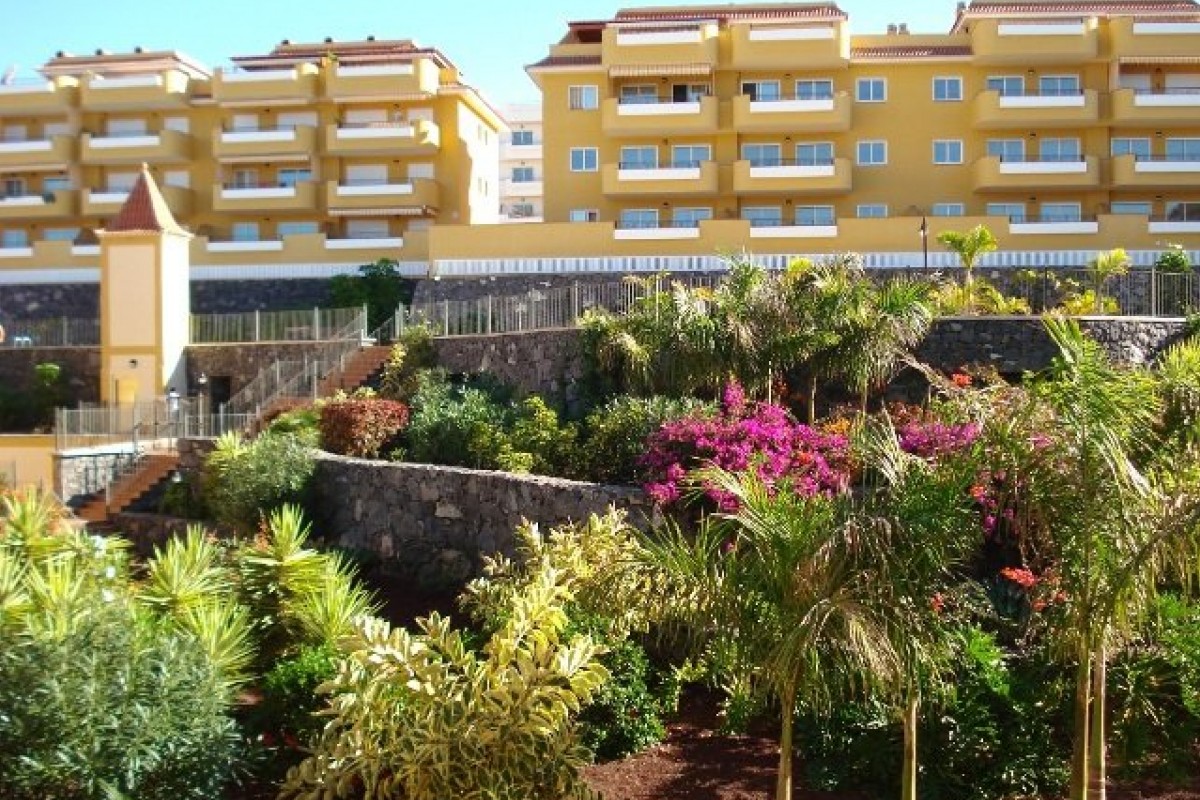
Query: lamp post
202, 382
924, 231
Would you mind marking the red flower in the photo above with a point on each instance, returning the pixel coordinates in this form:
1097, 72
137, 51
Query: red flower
961, 380
1020, 576
938, 603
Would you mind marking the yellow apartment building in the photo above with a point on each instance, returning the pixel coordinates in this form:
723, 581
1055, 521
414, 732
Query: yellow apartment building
310, 156
1066, 126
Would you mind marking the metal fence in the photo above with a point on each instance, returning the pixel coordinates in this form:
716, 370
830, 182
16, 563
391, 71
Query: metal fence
304, 325
52, 332
154, 425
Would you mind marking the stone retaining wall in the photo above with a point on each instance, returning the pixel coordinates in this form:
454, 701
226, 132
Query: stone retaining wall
80, 377
543, 362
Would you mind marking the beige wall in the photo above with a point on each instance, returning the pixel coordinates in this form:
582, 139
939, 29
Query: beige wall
30, 457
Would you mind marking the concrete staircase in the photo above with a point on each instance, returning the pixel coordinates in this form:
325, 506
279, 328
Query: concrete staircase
150, 471
358, 369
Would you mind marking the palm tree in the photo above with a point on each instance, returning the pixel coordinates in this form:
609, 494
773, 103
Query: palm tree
968, 247
1105, 266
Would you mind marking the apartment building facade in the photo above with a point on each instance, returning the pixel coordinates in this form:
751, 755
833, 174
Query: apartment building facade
521, 189
340, 150
1060, 122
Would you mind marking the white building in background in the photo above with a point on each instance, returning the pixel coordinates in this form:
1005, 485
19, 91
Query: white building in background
521, 164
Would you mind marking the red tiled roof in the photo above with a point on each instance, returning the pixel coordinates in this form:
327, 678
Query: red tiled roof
911, 51
145, 210
1086, 7
733, 12
567, 61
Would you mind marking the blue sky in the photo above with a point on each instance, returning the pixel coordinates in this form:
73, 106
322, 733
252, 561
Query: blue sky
490, 41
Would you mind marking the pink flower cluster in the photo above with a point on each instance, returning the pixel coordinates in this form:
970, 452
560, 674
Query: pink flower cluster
932, 439
762, 438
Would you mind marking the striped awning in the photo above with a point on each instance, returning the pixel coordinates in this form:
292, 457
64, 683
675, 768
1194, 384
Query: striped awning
399, 211
659, 70
1159, 60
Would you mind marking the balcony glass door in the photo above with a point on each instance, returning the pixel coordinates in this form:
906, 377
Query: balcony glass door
815, 154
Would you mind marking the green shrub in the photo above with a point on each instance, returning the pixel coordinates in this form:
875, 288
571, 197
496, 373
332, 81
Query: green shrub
302, 421
1174, 260
289, 696
360, 427
411, 354
245, 480
452, 425
615, 434
378, 286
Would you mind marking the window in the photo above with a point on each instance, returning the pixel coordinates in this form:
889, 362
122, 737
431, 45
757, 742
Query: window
245, 179
690, 155
296, 228
60, 234
522, 138
814, 215
14, 238
418, 170
872, 211
872, 153
178, 177
55, 183
639, 93
761, 91
689, 92
1138, 209
947, 151
583, 215
948, 209
584, 159
1014, 211
815, 154
366, 175
1054, 149
126, 127
947, 90
645, 157
520, 210
639, 218
1183, 149
245, 231
1058, 85
290, 120
761, 155
763, 216
1006, 149
690, 217
13, 187
870, 90
523, 175
366, 229
583, 98
1138, 148
1183, 211
1006, 85
814, 90
291, 177
1061, 212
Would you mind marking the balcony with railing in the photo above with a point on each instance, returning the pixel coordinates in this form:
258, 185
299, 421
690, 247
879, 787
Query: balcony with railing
631, 230
779, 229
107, 202
52, 153
413, 197
51, 205
1139, 108
299, 196
819, 45
792, 114
1042, 42
1061, 223
168, 89
667, 43
680, 179
992, 173
218, 250
1156, 172
256, 144
37, 97
165, 147
653, 116
1131, 37
995, 110
349, 82
349, 139
787, 176
1185, 221
253, 87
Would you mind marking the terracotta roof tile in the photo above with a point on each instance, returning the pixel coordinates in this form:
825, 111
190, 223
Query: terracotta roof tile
911, 51
1085, 7
567, 61
732, 12
145, 210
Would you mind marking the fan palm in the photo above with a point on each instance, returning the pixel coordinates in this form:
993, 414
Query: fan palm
1105, 266
969, 247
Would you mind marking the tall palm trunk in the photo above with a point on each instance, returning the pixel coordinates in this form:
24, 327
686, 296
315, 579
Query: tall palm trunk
1099, 757
908, 787
1080, 752
783, 786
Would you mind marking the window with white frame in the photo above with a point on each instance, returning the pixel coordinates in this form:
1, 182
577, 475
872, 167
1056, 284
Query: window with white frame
520, 210
1015, 212
814, 215
1137, 208
639, 157
244, 231
1138, 147
948, 210
1183, 149
763, 216
60, 234
1006, 85
296, 227
947, 89
760, 91
522, 138
690, 92
585, 159
1058, 85
815, 154
292, 177
761, 155
583, 98
14, 237
690, 155
56, 183
947, 151
13, 187
821, 89
639, 218
523, 175
638, 93
872, 210
583, 215
872, 153
690, 217
1006, 149
1061, 212
367, 228
1183, 211
870, 90
1059, 149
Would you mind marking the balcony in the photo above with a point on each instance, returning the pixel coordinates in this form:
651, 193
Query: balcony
348, 82
36, 154
301, 196
657, 231
1052, 225
265, 144
511, 188
1157, 172
1135, 108
1019, 43
381, 243
827, 114
422, 137
1133, 38
694, 180
779, 47
772, 231
107, 202
416, 197
659, 117
789, 177
653, 45
1174, 226
521, 152
993, 174
168, 89
297, 85
37, 97
39, 206
993, 110
166, 147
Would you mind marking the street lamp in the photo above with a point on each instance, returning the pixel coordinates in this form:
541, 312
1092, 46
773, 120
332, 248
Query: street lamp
924, 231
202, 382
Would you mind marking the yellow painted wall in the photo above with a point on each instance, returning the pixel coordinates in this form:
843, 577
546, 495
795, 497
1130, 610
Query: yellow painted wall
27, 460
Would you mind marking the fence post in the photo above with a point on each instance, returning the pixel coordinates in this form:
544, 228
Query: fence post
489, 315
257, 325
365, 324
1153, 291
66, 336
316, 324
445, 317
